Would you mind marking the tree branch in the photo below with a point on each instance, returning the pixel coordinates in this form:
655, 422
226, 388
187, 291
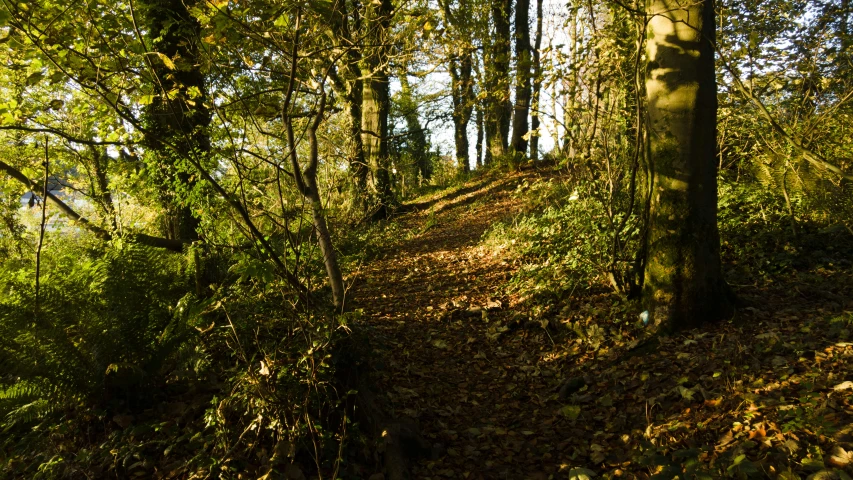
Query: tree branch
157, 242
59, 133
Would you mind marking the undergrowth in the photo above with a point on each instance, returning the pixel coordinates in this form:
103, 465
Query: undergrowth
761, 395
563, 240
123, 371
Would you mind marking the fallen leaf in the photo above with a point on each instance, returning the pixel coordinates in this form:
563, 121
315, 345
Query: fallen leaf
758, 433
839, 457
843, 386
581, 474
571, 411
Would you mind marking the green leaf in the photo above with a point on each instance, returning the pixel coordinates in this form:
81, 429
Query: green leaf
581, 474
34, 78
571, 412
166, 61
282, 21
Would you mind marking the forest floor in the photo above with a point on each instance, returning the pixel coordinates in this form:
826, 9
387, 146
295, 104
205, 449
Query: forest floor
504, 395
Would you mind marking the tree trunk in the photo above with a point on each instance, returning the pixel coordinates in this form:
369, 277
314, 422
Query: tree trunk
570, 134
416, 134
683, 279
463, 103
181, 117
478, 148
324, 238
537, 85
522, 76
348, 85
306, 180
498, 106
376, 105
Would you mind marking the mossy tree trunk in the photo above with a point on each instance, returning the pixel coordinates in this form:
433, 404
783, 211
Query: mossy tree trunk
177, 124
416, 134
498, 105
376, 104
683, 278
348, 85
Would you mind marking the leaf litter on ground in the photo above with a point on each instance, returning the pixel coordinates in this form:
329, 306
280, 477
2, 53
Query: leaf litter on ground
508, 389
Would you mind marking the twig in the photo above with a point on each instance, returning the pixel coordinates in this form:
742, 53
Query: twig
43, 222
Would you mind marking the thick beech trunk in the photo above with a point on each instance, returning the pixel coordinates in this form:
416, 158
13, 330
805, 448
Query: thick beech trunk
683, 278
347, 82
522, 76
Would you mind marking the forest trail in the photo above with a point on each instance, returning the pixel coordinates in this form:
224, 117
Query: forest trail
506, 398
435, 307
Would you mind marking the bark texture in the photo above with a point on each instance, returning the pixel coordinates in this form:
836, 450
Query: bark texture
537, 86
376, 104
683, 278
497, 83
463, 104
347, 83
523, 64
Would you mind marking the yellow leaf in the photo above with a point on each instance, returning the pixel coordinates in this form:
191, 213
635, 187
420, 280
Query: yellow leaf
166, 61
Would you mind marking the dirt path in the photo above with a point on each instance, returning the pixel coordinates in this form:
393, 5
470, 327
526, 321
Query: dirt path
488, 394
446, 363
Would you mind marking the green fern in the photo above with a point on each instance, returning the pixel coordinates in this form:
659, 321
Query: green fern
105, 328
815, 188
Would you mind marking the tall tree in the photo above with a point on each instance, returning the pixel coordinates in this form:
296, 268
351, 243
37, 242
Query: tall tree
416, 134
498, 107
460, 64
684, 285
348, 85
376, 100
523, 65
177, 115
306, 179
537, 85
